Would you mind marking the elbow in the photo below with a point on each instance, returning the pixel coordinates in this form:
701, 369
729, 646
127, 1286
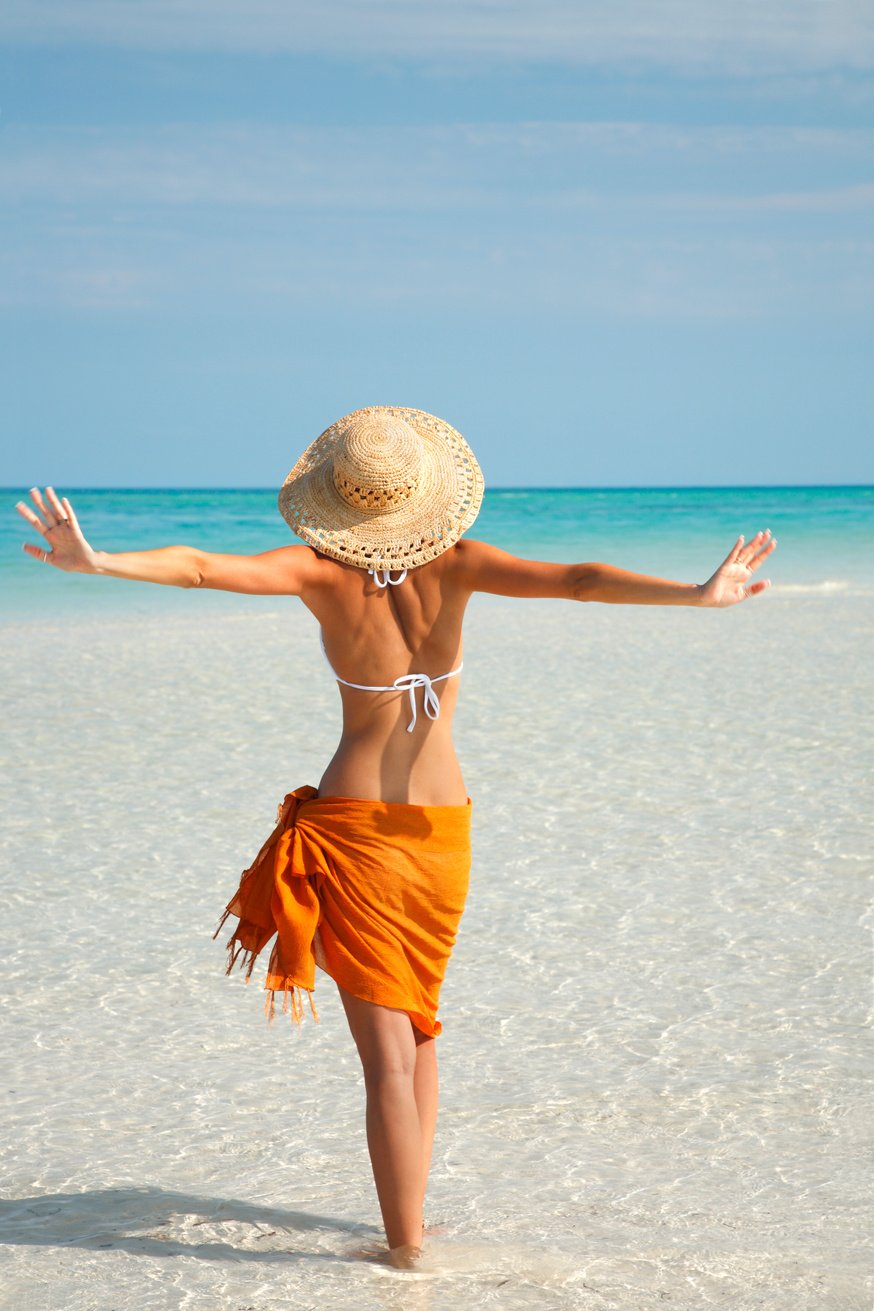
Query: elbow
584, 581
194, 572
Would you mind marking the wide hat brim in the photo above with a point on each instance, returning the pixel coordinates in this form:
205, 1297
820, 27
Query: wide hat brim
420, 529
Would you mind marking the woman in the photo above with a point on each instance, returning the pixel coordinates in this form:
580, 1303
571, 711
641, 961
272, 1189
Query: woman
366, 875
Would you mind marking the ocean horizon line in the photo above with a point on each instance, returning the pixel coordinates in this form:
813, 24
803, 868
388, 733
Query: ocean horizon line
15, 488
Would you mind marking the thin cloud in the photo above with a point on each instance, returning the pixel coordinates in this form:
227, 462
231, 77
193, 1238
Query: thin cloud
834, 200
828, 200
575, 274
465, 169
643, 221
744, 36
89, 279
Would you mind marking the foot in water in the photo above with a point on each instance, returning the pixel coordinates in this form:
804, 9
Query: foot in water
401, 1258
404, 1257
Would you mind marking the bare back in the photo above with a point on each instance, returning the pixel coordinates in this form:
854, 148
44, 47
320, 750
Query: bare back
372, 636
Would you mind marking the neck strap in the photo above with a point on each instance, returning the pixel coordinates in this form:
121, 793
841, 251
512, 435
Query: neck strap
386, 578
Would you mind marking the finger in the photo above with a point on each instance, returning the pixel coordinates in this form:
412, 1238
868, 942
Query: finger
28, 514
71, 515
760, 586
762, 554
57, 508
753, 546
732, 556
36, 497
38, 552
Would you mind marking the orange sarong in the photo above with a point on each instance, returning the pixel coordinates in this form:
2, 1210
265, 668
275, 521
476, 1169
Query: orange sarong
371, 891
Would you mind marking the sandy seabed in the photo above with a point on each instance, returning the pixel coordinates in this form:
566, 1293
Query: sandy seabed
655, 1056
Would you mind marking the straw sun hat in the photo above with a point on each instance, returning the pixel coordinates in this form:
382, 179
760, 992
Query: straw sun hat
384, 488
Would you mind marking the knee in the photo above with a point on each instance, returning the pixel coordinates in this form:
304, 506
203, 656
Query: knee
387, 1069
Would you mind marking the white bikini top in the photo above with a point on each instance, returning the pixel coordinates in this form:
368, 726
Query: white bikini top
406, 682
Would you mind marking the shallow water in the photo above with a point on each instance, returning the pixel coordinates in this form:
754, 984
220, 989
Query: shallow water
655, 1063
826, 538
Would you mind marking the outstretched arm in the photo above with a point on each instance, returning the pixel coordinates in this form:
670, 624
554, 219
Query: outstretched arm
487, 569
286, 571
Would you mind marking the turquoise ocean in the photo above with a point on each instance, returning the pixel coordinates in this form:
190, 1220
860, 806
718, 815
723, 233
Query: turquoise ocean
825, 535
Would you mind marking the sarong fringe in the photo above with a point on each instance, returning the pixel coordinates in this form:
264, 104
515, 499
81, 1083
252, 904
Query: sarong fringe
292, 993
221, 925
235, 949
292, 1002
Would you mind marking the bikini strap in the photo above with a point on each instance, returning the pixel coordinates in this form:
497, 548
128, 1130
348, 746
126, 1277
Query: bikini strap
409, 683
386, 579
405, 683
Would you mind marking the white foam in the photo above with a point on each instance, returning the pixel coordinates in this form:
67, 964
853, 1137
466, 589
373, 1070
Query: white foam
825, 586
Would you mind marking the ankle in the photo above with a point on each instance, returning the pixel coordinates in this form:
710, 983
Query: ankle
404, 1257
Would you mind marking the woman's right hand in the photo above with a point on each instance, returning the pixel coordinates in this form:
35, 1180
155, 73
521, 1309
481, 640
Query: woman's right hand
64, 546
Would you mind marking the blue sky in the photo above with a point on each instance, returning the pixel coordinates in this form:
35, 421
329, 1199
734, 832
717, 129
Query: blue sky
613, 244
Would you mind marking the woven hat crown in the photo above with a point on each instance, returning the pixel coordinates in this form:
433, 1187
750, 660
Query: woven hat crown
377, 463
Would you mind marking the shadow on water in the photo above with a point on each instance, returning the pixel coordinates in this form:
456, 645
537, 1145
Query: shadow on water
131, 1220
126, 1219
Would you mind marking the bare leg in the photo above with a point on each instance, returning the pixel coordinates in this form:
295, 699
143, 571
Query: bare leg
425, 1089
399, 1135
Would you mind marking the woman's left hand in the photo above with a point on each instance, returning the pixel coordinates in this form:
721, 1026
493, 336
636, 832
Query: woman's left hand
731, 582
